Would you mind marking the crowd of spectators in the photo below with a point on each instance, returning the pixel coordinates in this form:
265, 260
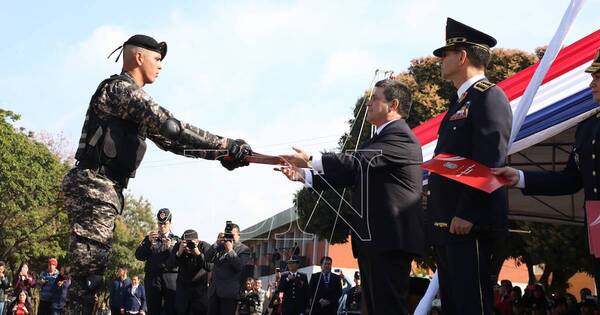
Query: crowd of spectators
16, 295
535, 300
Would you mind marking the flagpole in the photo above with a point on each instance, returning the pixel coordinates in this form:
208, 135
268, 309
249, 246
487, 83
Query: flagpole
542, 69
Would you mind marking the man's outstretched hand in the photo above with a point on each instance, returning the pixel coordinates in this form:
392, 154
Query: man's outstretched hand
293, 173
298, 159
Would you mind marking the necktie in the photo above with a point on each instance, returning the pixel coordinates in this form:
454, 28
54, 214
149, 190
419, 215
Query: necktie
327, 279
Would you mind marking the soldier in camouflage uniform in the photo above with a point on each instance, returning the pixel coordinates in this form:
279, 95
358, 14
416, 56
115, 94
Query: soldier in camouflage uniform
121, 115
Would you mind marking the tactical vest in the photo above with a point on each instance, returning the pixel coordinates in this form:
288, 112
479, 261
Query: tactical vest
112, 146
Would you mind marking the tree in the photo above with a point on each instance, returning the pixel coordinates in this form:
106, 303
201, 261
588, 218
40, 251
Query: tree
34, 224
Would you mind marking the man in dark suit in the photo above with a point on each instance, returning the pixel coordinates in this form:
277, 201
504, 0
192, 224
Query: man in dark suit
135, 298
294, 286
229, 257
325, 290
117, 290
387, 223
582, 169
477, 126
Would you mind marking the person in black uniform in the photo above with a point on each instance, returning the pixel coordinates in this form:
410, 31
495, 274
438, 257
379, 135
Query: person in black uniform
390, 232
191, 295
325, 289
477, 126
294, 286
229, 256
582, 169
160, 279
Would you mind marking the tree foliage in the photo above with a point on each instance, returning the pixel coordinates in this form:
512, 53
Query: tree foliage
34, 223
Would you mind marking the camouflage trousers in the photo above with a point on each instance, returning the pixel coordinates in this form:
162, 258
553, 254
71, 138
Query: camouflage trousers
93, 203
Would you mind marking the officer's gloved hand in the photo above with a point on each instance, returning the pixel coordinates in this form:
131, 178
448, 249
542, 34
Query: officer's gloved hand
238, 149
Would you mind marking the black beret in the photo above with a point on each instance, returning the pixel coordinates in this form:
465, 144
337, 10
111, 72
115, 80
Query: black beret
163, 215
149, 43
461, 34
595, 66
145, 42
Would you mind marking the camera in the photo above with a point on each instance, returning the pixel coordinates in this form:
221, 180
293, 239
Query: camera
228, 235
190, 244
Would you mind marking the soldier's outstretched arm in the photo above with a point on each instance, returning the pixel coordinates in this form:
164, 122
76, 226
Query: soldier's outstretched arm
127, 101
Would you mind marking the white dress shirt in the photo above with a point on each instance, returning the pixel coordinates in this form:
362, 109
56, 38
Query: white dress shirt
467, 84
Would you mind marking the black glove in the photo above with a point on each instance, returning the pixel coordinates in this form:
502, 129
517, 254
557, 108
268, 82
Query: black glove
238, 149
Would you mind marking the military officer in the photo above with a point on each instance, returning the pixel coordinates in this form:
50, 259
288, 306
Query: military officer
582, 169
160, 277
294, 285
120, 116
477, 126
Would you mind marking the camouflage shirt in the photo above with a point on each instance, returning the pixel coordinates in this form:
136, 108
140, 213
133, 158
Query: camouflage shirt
123, 98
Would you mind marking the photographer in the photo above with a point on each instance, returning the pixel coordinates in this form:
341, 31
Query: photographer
23, 281
229, 256
191, 296
160, 280
249, 299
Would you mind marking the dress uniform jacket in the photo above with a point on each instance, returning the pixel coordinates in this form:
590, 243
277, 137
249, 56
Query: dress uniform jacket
477, 126
582, 169
295, 293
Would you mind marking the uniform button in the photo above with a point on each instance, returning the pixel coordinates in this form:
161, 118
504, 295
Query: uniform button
453, 128
594, 173
593, 156
429, 193
594, 141
595, 190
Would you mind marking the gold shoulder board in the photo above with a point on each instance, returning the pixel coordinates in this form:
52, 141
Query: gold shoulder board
482, 86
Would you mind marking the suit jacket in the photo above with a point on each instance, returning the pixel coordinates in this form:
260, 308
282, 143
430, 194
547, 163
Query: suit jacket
320, 290
136, 301
228, 270
295, 293
476, 127
582, 169
387, 180
117, 290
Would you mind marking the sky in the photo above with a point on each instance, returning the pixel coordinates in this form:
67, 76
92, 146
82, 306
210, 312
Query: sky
274, 73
